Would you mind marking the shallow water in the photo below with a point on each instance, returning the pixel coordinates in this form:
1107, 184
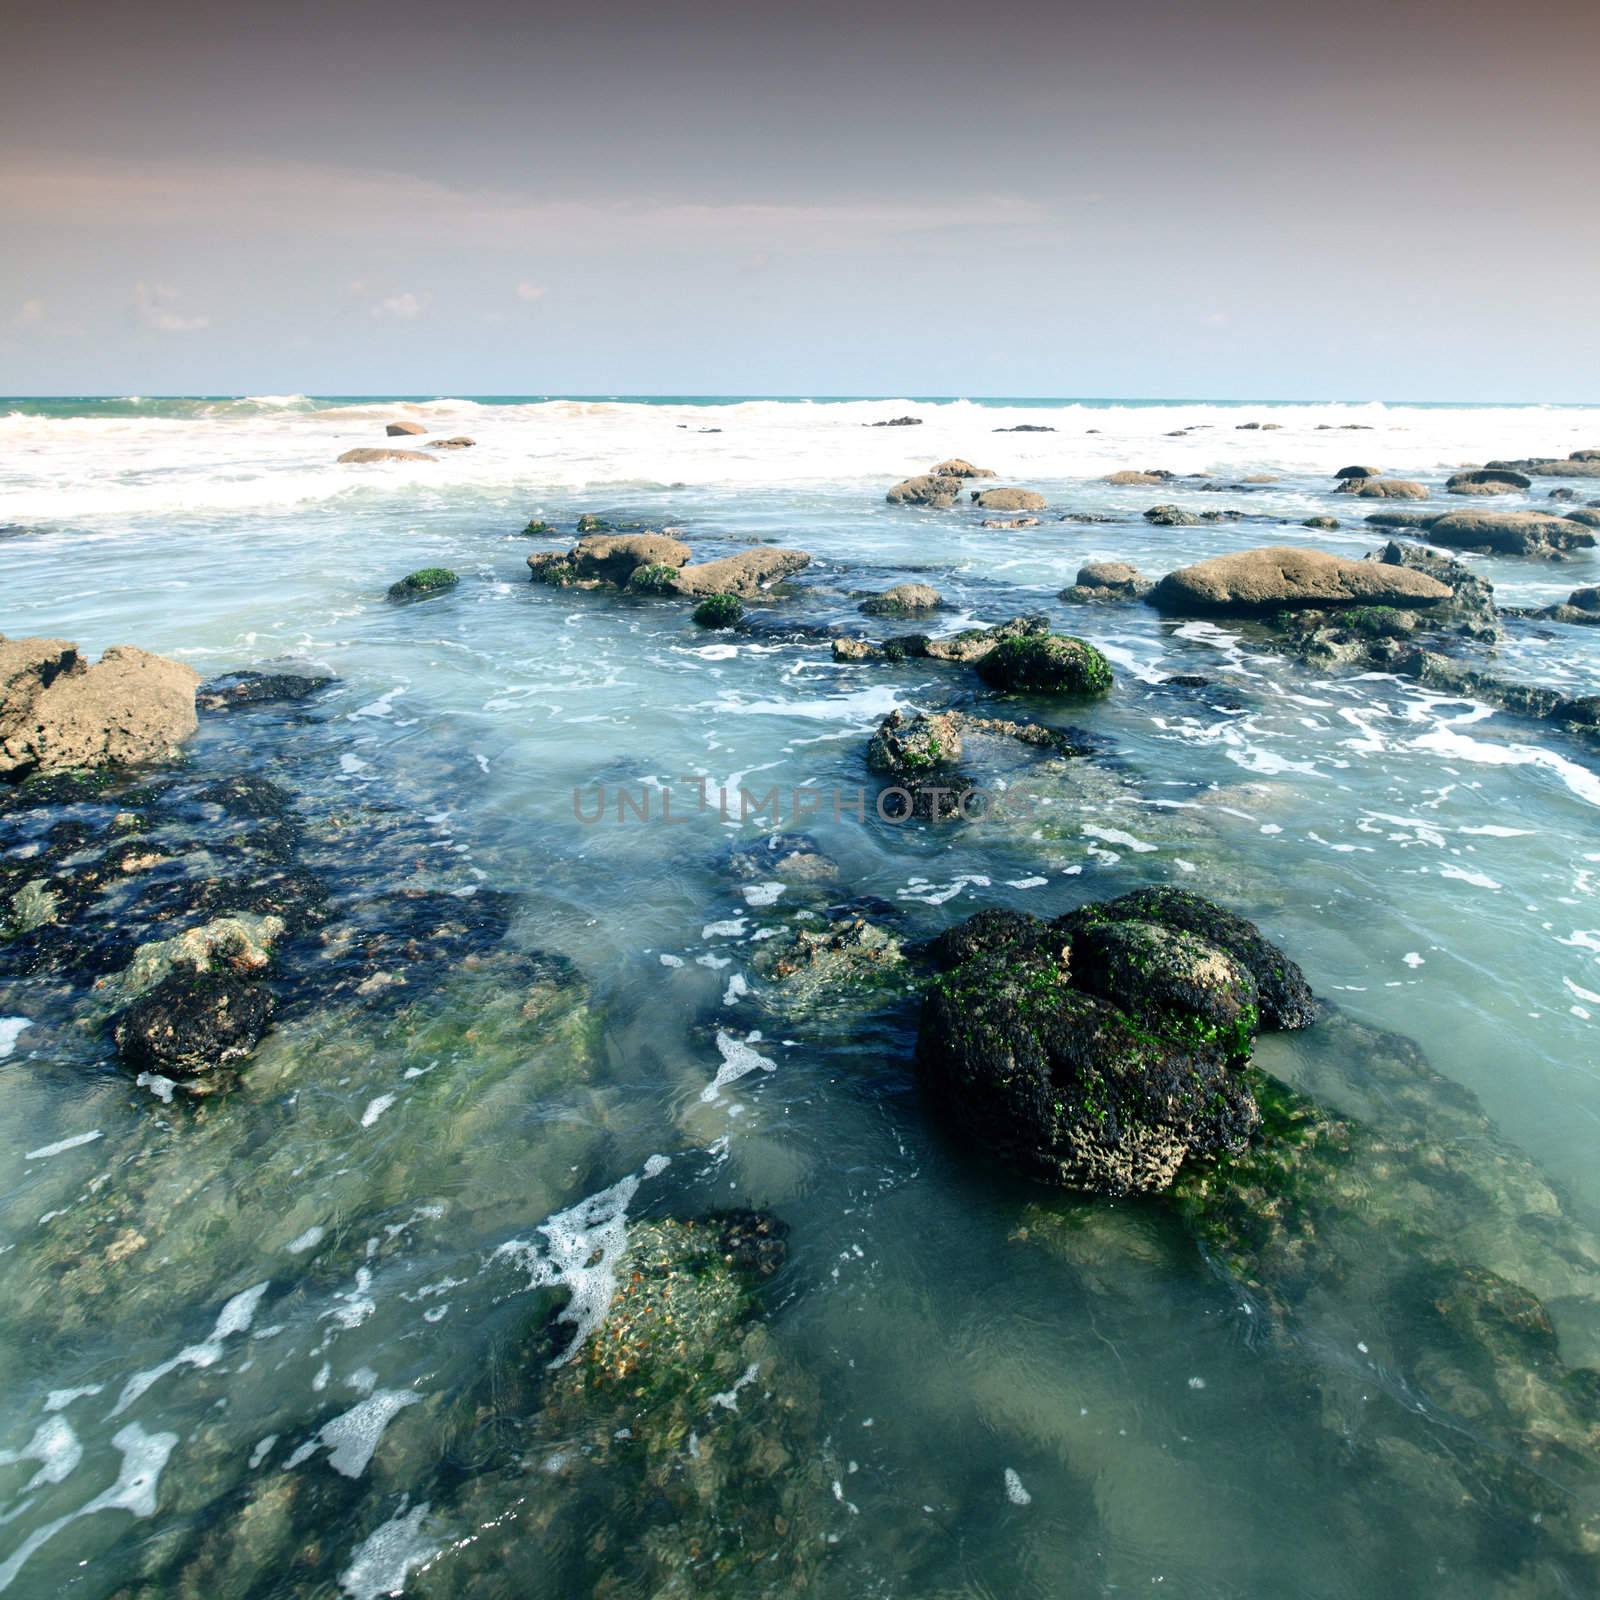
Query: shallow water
981, 1413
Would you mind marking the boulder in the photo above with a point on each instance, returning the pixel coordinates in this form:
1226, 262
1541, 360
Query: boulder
1046, 664
971, 645
192, 1023
1487, 480
1581, 606
457, 441
401, 430
1026, 427
1258, 582
1402, 519
1107, 582
895, 422
1321, 524
1516, 533
1360, 473
1008, 500
1471, 605
746, 574
1103, 1051
1585, 516
367, 455
612, 557
904, 599
57, 712
1152, 475
925, 490
1166, 516
1383, 489
718, 611
1582, 464
422, 584
915, 745
955, 467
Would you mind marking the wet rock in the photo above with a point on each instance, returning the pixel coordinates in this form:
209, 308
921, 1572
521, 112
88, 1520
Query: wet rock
1009, 524
904, 599
1361, 474
718, 611
1008, 500
1062, 1082
366, 455
237, 691
1259, 582
1487, 480
1580, 464
58, 712
236, 942
925, 490
971, 645
1471, 608
1402, 519
811, 968
1107, 582
1521, 533
193, 1023
792, 857
1321, 524
422, 585
1167, 516
1026, 427
914, 745
748, 574
1046, 664
401, 430
955, 467
592, 522
1585, 516
457, 441
1383, 489
896, 422
613, 558
1131, 478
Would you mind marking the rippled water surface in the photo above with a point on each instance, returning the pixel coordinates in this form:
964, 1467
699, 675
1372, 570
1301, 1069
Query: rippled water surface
297, 1341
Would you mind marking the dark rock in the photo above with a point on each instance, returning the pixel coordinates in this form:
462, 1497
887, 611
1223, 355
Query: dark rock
925, 490
236, 691
912, 746
422, 585
1471, 606
1102, 582
1360, 473
896, 422
718, 611
1046, 664
192, 1023
1026, 427
1488, 480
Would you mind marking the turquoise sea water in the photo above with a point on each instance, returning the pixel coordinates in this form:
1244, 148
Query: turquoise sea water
936, 1325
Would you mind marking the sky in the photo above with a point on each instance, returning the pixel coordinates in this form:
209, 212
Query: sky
1148, 198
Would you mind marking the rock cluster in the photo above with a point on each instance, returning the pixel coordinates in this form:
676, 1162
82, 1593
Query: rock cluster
653, 563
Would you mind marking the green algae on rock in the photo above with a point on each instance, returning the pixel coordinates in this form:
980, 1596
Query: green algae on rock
718, 611
1048, 664
421, 584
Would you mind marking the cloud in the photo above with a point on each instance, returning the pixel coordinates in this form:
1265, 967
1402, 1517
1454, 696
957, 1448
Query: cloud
154, 307
530, 291
405, 307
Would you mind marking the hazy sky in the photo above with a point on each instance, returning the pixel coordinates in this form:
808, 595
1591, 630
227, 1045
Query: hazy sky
1350, 200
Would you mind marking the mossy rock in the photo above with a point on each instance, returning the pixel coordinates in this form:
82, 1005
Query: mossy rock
719, 611
1049, 664
422, 584
539, 529
652, 578
590, 523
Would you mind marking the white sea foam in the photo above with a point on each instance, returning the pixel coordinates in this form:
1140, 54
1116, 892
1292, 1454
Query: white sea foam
12, 1029
235, 1317
739, 1060
380, 1564
45, 1151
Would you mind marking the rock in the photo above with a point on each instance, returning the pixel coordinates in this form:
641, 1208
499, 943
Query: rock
366, 454
589, 522
746, 574
401, 430
1402, 519
652, 577
1487, 480
192, 1023
1008, 500
915, 745
1585, 516
235, 691
1583, 464
1264, 427
1176, 517
612, 557
1046, 664
904, 599
830, 966
1107, 581
1257, 582
58, 712
457, 441
1471, 605
925, 490
971, 645
1322, 524
422, 584
1383, 489
718, 611
955, 467
1153, 475
896, 422
1520, 533
1008, 524
1026, 427
1563, 494
1360, 473
1100, 1052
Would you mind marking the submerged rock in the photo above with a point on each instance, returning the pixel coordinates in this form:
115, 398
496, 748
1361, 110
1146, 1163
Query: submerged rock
904, 599
1167, 516
366, 455
193, 1023
927, 489
1006, 524
401, 430
1258, 582
1383, 489
422, 585
719, 611
1009, 500
236, 691
58, 712
808, 968
914, 745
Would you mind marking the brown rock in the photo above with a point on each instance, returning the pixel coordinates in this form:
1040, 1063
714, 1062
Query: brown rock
613, 556
401, 430
1517, 533
745, 574
1003, 524
928, 489
1383, 489
902, 599
367, 454
955, 467
1283, 577
1127, 476
1009, 499
458, 442
58, 712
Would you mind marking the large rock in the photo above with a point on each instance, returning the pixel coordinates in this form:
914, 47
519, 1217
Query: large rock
1488, 480
1514, 533
913, 746
1471, 606
1361, 474
1009, 499
956, 467
366, 455
1580, 464
1383, 489
1170, 516
612, 557
745, 574
1255, 582
192, 1023
1150, 476
58, 712
1101, 582
402, 430
1102, 1052
904, 599
927, 489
